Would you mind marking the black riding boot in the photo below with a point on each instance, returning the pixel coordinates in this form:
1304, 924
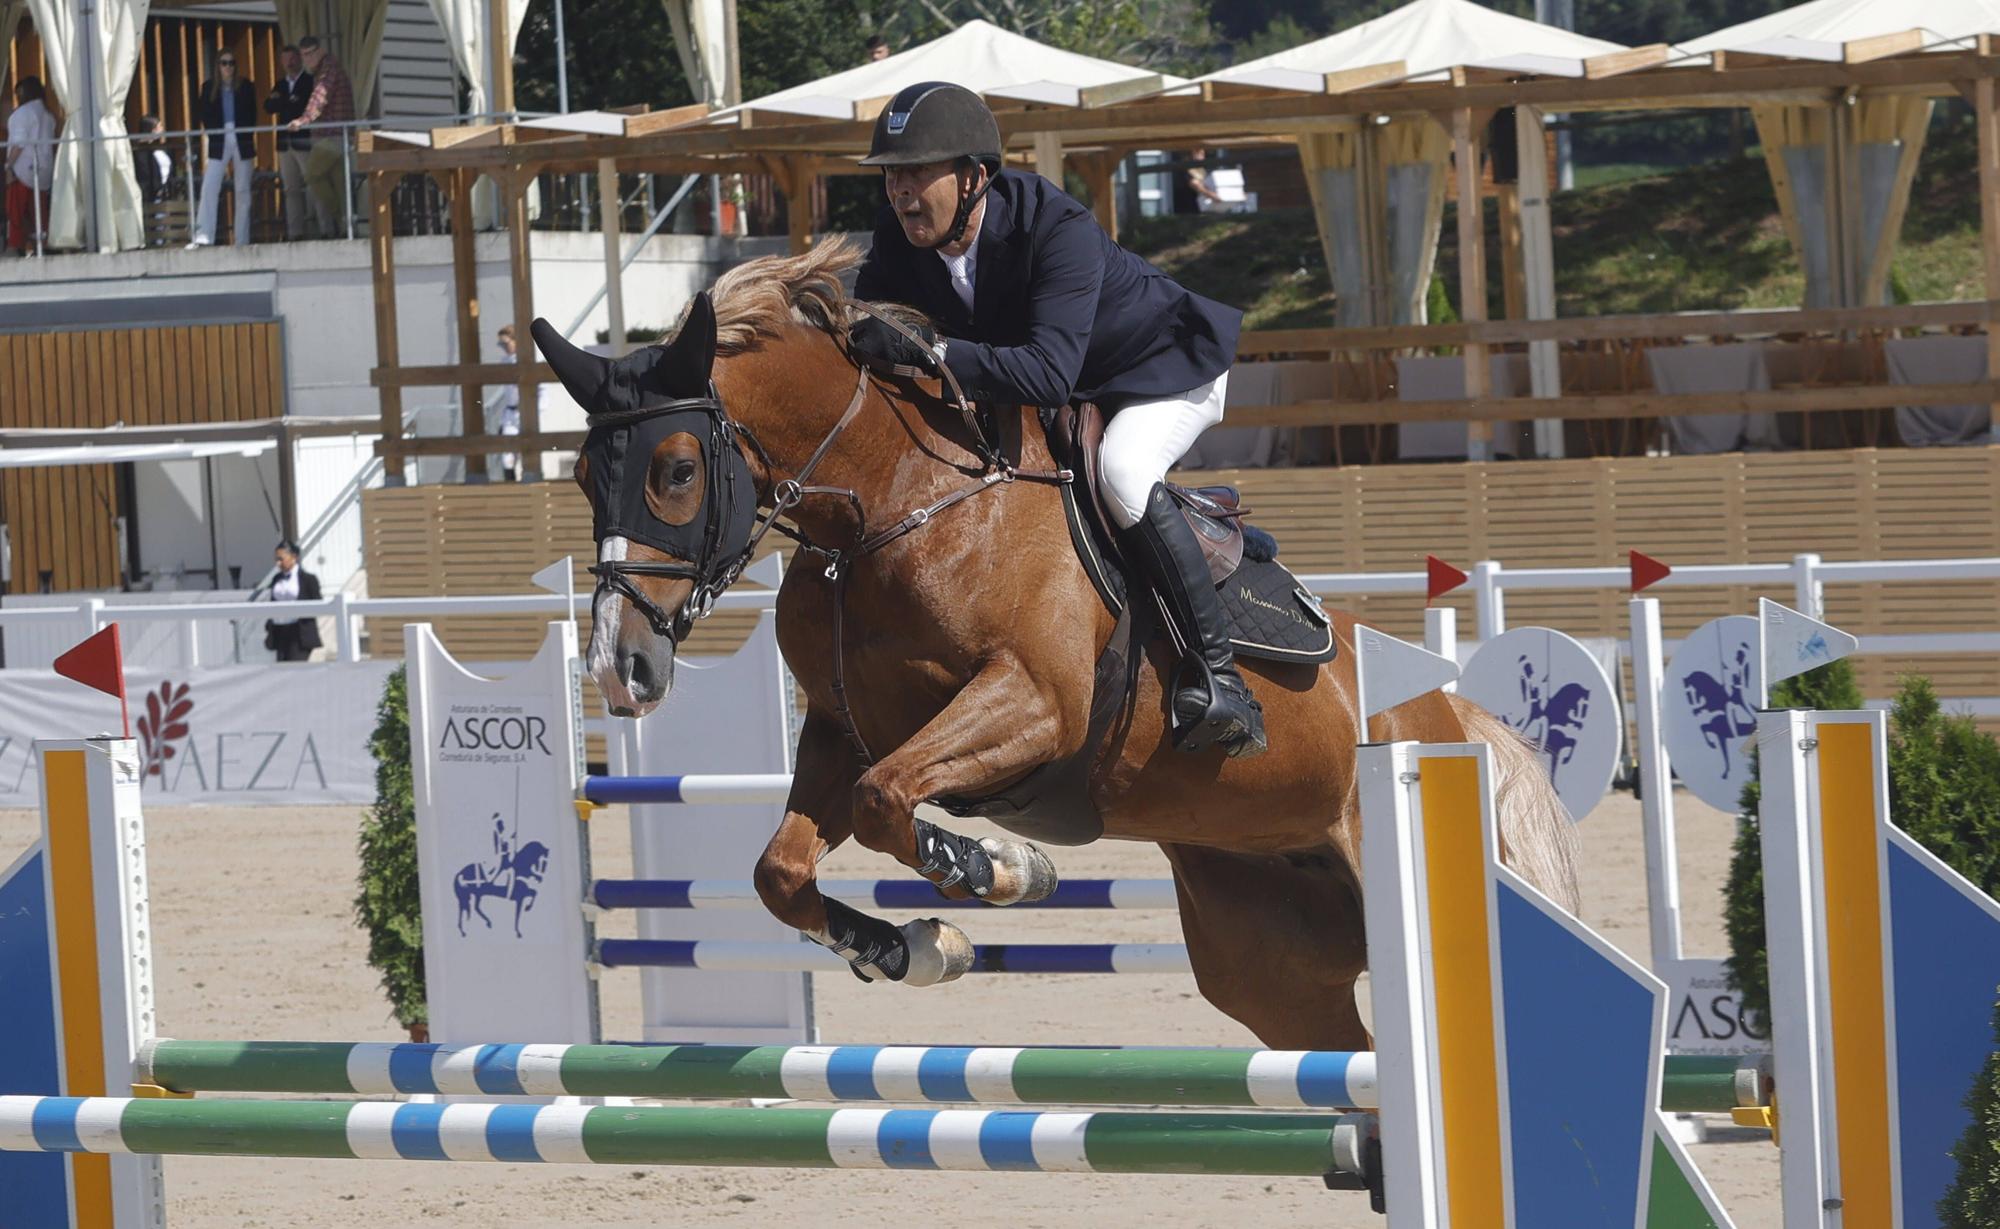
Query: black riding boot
1212, 704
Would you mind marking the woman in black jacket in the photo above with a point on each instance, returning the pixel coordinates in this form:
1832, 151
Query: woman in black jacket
292, 639
228, 110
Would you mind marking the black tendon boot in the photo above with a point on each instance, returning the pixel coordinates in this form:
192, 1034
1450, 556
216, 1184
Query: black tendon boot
1212, 704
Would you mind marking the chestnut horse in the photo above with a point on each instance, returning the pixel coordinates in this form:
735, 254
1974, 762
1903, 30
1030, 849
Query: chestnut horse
966, 646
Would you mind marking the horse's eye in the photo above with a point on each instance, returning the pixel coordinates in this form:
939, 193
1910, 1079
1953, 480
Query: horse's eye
683, 473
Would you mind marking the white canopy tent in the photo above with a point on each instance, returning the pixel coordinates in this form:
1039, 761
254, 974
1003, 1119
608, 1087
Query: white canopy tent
1843, 173
999, 64
1421, 41
1378, 188
1823, 29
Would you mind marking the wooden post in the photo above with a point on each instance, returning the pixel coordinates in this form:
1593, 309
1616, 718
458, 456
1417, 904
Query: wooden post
500, 45
1513, 275
382, 266
1100, 172
1472, 274
614, 256
1049, 157
796, 180
1538, 263
1987, 118
514, 184
465, 281
1371, 223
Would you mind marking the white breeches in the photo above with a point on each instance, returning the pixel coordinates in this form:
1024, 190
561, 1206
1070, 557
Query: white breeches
1145, 438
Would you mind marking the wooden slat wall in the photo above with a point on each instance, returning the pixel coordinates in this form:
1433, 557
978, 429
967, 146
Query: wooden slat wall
1863, 504
63, 519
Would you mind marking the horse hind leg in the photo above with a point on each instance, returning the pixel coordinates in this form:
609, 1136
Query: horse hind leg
1276, 942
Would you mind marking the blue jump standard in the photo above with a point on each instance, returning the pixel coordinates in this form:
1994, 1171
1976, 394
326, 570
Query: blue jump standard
886, 894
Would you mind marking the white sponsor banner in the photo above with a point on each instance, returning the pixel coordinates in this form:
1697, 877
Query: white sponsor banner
266, 735
501, 856
1704, 1015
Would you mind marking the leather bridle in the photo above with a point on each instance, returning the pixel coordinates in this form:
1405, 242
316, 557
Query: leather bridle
718, 567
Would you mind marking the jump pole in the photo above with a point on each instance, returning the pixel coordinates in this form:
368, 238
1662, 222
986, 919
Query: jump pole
970, 1140
1011, 1075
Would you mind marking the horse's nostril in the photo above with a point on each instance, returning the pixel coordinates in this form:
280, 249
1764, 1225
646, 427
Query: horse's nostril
637, 670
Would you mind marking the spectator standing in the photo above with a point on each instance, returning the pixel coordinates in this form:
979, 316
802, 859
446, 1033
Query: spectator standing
287, 102
229, 114
332, 102
151, 162
506, 408
31, 165
292, 639
878, 48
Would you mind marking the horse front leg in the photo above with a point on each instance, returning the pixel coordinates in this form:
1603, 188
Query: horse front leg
818, 818
1001, 725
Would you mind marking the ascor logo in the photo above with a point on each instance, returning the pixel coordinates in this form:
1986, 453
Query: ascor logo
495, 734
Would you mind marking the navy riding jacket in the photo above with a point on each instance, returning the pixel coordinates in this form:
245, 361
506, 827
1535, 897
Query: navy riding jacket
1060, 312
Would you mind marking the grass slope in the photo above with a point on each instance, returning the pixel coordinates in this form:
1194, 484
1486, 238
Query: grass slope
1702, 238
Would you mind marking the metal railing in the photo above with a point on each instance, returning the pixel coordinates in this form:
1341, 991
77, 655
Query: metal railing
568, 201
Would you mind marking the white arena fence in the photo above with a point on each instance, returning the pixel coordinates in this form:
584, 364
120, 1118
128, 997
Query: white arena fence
35, 634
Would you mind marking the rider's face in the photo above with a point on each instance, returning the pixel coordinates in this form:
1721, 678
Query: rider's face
924, 197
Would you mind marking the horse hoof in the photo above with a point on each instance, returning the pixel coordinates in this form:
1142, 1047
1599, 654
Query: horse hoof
1022, 873
938, 952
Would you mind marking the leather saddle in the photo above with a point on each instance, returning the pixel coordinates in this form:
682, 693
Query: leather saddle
1271, 615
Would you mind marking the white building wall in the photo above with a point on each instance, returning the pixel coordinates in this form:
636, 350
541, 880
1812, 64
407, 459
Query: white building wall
323, 294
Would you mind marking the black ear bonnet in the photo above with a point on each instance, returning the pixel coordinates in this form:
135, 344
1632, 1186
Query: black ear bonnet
633, 405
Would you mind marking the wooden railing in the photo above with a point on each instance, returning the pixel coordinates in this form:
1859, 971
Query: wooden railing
1365, 399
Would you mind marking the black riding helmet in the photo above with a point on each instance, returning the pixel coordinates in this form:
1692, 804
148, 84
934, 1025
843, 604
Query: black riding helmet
935, 121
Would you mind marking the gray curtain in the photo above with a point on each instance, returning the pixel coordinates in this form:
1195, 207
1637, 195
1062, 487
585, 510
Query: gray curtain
1940, 360
1442, 379
1715, 369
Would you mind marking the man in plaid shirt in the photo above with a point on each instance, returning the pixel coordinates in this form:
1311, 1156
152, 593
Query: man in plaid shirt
332, 102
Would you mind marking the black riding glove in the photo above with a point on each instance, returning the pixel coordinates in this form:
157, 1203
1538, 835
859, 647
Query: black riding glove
879, 344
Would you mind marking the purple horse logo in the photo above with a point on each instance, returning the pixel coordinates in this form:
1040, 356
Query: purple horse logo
1553, 722
1722, 709
515, 875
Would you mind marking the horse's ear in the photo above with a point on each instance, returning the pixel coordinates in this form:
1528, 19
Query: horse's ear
693, 347
582, 373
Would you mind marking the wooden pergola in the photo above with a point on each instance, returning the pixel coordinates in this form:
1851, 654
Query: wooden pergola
1094, 135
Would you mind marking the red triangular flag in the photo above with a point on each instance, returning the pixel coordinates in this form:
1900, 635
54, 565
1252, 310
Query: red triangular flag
1443, 578
99, 663
1647, 570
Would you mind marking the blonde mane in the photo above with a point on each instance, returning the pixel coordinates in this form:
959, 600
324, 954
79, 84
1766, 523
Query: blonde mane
758, 300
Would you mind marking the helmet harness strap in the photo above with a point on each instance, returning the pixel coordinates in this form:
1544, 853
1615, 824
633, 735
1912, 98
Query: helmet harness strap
967, 202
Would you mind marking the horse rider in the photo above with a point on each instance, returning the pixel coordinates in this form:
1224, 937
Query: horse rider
1036, 305
503, 855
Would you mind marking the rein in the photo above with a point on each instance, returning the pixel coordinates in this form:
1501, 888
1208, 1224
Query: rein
711, 575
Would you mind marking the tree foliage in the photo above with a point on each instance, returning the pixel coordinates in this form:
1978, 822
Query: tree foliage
1972, 1201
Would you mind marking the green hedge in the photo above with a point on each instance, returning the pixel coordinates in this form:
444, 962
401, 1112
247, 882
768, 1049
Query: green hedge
388, 905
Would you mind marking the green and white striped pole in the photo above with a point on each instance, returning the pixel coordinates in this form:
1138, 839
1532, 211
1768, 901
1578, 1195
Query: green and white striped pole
1172, 1143
1187, 1077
